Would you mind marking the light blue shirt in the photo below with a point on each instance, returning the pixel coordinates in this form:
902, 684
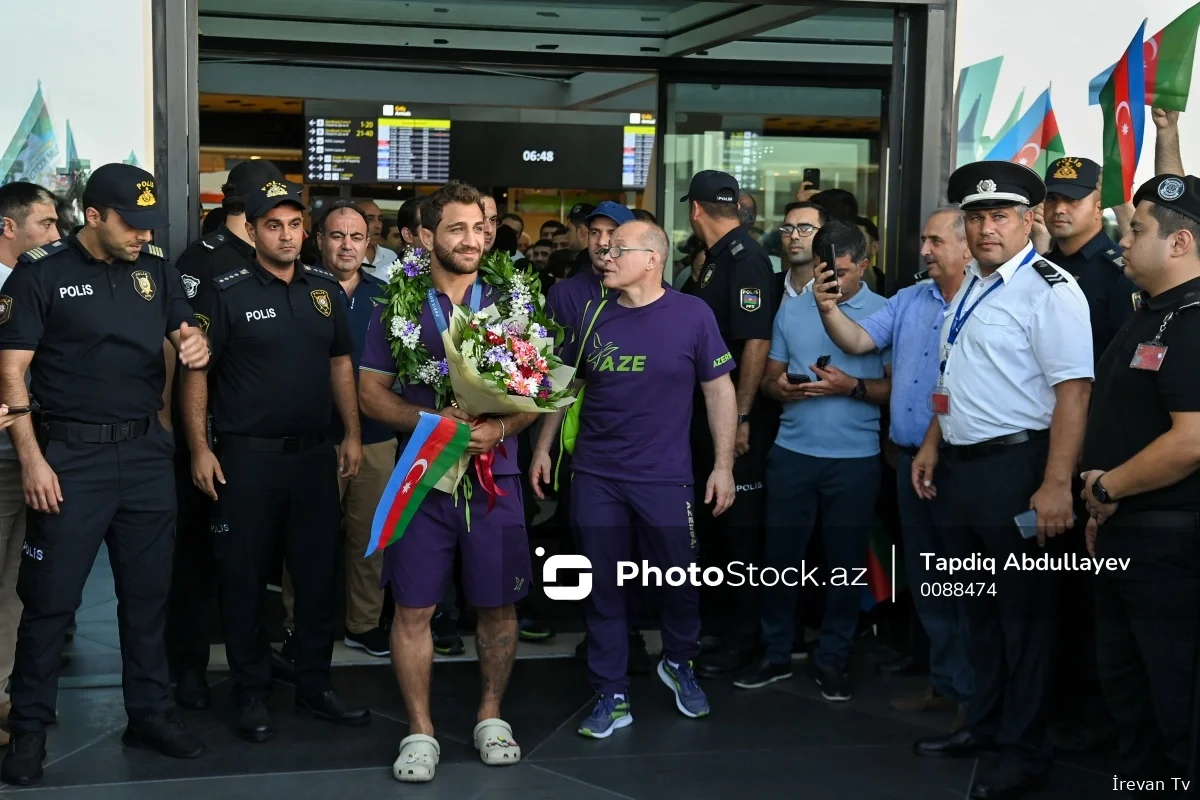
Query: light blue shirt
827, 427
911, 324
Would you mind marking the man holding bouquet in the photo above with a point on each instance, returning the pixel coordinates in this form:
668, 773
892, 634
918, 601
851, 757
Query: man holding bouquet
632, 462
496, 566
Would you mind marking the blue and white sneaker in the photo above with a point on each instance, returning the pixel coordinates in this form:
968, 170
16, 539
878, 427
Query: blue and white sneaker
689, 697
608, 715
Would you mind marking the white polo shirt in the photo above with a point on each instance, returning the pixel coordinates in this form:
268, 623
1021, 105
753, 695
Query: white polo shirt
1024, 338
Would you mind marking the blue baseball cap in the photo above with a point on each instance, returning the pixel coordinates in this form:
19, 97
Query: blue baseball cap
614, 211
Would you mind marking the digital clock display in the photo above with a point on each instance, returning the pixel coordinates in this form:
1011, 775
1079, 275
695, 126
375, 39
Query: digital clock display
550, 156
538, 155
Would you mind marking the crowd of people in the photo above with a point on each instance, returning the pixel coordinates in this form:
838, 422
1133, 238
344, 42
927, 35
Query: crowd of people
1032, 393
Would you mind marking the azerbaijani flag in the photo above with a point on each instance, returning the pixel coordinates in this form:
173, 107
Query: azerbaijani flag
1123, 127
436, 445
1168, 57
880, 576
1034, 141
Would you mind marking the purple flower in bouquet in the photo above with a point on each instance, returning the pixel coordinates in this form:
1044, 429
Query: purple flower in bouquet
443, 368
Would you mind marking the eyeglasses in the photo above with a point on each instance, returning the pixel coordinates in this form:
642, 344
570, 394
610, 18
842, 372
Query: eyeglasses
804, 230
617, 252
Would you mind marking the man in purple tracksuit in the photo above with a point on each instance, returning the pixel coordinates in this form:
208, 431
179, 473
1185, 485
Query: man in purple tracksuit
495, 548
632, 462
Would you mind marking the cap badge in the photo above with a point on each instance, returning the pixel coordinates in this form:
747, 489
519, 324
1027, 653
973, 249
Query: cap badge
321, 301
146, 198
144, 284
986, 186
1067, 169
1171, 189
275, 189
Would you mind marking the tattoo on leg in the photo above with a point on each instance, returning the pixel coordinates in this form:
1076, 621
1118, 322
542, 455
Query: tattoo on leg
496, 656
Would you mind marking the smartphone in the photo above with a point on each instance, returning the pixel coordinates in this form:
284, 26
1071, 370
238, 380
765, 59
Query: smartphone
823, 362
813, 178
1027, 523
795, 379
829, 260
12, 412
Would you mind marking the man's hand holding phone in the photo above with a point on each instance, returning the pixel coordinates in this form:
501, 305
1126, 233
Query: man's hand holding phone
789, 387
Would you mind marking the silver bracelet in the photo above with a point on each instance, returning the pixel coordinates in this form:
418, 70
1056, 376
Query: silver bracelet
503, 430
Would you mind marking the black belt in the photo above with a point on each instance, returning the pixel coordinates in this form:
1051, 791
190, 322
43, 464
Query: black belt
967, 452
284, 444
911, 452
88, 433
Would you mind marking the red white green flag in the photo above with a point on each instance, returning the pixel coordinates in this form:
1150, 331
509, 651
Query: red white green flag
1123, 100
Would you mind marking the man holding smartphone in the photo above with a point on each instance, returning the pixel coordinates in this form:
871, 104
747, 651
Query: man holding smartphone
826, 456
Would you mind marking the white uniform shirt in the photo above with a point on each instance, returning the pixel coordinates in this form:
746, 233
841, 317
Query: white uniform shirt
1022, 340
383, 259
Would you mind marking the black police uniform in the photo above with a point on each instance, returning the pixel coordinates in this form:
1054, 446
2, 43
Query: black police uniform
193, 582
271, 403
1098, 266
1147, 613
738, 284
583, 259
97, 331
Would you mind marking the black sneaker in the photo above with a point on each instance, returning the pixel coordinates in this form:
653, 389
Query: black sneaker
835, 684
639, 661
162, 732
532, 630
23, 761
374, 641
446, 641
763, 674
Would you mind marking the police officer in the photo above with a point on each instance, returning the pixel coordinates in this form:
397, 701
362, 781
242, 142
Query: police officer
738, 284
193, 581
87, 318
1010, 407
281, 362
1074, 217
1143, 491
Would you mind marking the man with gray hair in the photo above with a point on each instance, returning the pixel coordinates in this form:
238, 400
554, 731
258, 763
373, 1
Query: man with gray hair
632, 462
910, 323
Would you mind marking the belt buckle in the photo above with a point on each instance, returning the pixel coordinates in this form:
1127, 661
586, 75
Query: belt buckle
122, 432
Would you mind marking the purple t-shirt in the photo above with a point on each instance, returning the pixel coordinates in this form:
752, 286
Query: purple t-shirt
565, 303
377, 357
641, 366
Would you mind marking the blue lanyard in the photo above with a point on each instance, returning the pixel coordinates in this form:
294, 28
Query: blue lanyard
436, 308
960, 319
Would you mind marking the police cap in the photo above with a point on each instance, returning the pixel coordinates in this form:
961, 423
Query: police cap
579, 213
271, 194
249, 175
1075, 178
1180, 194
995, 184
711, 186
131, 192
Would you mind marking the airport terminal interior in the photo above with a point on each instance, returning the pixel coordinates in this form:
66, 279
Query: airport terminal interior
546, 105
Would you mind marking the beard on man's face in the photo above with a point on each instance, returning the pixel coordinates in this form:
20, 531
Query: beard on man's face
461, 260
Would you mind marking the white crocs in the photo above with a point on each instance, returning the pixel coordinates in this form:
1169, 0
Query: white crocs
418, 759
494, 741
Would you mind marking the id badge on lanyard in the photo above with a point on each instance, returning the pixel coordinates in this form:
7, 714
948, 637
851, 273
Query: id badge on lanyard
1149, 355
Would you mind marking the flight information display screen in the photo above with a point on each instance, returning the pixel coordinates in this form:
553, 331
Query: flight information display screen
377, 150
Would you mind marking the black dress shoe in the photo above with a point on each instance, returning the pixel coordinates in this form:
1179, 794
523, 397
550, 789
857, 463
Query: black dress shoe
1006, 785
905, 667
162, 732
23, 761
254, 721
963, 744
191, 691
331, 707
722, 663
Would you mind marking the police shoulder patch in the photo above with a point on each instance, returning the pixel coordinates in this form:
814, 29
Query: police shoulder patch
154, 250
1049, 272
320, 273
6, 304
38, 253
213, 240
750, 299
231, 278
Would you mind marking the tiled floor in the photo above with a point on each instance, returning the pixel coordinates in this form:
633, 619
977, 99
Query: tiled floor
779, 742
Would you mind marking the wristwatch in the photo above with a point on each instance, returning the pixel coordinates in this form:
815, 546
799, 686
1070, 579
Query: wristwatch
859, 391
1100, 493
743, 418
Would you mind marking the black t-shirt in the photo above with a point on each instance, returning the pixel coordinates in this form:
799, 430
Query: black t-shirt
1131, 408
271, 346
1100, 270
96, 330
738, 284
206, 258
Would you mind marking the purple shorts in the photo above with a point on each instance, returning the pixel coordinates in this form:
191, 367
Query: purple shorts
496, 567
